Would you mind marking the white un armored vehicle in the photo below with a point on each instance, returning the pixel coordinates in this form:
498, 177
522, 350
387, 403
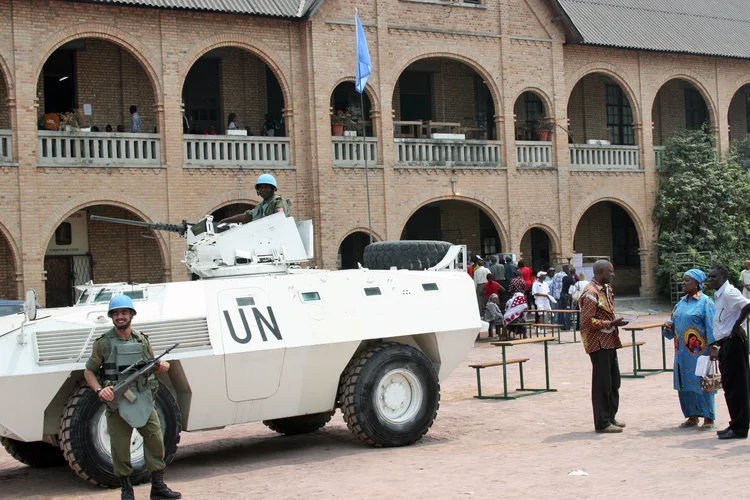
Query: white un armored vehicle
260, 339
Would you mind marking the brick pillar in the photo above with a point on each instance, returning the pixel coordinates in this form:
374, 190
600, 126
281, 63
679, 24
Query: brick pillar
24, 123
561, 155
644, 136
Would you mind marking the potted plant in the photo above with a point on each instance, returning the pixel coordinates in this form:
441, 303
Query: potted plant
341, 120
71, 120
544, 129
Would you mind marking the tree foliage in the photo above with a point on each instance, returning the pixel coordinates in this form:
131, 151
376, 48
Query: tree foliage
703, 203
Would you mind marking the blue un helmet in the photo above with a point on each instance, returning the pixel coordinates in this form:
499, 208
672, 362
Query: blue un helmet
266, 179
120, 302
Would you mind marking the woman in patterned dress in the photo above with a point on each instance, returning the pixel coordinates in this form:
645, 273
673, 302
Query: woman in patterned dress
691, 327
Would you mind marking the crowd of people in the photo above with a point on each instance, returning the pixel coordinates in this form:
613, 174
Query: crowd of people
503, 289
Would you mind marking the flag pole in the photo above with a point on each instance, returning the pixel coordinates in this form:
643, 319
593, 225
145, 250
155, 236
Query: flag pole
364, 153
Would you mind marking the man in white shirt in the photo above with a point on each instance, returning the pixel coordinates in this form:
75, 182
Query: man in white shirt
480, 278
730, 348
540, 290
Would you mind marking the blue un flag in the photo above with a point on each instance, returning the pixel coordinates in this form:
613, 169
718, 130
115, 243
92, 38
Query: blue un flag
364, 66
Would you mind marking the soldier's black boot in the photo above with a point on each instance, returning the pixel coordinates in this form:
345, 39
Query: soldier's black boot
126, 489
159, 490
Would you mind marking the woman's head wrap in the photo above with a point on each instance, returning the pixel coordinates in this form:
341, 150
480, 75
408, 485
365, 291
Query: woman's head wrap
697, 275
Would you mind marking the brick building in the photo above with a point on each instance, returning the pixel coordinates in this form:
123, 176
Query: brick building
556, 128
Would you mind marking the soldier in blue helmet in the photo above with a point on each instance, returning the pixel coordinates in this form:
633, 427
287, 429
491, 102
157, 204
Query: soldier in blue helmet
272, 203
114, 351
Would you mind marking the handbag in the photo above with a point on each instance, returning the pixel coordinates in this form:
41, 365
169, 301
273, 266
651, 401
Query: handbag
711, 382
576, 294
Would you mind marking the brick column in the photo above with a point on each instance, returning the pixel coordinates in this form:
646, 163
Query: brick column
644, 136
24, 122
560, 154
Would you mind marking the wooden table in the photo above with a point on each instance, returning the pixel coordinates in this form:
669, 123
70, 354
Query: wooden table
429, 125
564, 311
415, 125
648, 371
531, 392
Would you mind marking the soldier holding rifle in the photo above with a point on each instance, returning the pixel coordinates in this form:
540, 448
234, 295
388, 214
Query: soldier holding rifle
114, 356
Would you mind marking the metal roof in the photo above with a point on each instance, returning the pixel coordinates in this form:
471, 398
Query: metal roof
707, 27
277, 8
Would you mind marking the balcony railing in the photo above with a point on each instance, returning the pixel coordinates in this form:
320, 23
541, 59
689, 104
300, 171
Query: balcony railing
98, 149
446, 153
351, 151
533, 154
658, 156
6, 146
221, 151
585, 156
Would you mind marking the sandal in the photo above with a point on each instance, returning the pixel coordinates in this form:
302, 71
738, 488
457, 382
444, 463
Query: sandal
707, 427
688, 423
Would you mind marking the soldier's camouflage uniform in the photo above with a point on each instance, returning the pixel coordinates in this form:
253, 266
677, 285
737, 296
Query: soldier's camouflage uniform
103, 362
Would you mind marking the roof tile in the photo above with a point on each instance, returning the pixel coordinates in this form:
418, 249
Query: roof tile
707, 27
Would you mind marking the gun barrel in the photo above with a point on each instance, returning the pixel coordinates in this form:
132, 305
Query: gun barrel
157, 226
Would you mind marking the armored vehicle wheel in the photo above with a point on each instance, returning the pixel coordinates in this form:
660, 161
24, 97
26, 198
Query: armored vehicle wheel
413, 255
390, 394
35, 454
84, 438
293, 426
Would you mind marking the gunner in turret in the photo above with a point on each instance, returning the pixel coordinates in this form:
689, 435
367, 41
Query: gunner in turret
272, 203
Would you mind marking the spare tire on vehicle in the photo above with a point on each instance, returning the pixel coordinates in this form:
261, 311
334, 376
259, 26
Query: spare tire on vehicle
411, 255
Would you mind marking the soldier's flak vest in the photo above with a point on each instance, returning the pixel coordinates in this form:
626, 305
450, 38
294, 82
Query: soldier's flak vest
135, 407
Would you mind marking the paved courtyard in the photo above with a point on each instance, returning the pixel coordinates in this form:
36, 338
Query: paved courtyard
477, 449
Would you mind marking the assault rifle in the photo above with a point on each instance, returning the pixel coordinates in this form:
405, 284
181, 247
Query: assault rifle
140, 368
181, 229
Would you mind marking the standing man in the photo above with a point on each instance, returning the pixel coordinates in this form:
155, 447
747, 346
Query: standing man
135, 121
565, 297
730, 348
556, 290
498, 272
540, 290
272, 203
480, 278
123, 346
745, 280
601, 339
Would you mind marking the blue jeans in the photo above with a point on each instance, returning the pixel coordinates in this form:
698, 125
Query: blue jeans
563, 304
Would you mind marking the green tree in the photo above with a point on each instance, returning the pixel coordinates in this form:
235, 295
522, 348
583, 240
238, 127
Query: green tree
702, 204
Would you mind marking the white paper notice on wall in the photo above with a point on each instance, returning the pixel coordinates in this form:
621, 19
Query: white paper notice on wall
87, 109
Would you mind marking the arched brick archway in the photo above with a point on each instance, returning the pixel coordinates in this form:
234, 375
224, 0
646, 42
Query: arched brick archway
109, 33
611, 71
532, 107
83, 250
471, 59
601, 105
540, 246
370, 91
112, 198
672, 82
609, 227
463, 211
351, 247
262, 51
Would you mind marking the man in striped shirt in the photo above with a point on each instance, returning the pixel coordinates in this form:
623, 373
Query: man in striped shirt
601, 340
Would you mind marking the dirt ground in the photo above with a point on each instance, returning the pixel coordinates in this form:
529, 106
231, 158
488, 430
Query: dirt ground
476, 449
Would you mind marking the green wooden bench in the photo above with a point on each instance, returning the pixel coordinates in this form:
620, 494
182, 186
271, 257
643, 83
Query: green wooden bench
480, 366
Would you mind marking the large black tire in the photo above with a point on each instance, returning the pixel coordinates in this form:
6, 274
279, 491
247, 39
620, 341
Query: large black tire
412, 255
34, 454
89, 456
303, 424
366, 379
